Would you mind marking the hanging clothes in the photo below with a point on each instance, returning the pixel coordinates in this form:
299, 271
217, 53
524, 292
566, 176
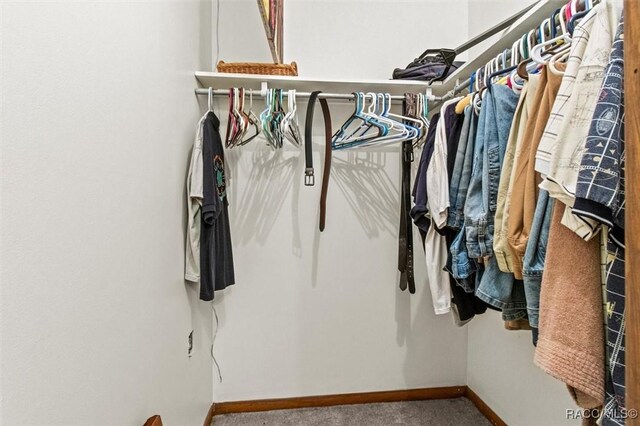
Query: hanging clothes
497, 288
570, 341
194, 206
600, 196
533, 179
437, 188
420, 212
216, 253
560, 156
525, 185
526, 106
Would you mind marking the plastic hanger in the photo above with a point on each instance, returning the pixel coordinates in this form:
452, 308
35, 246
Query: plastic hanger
210, 100
395, 130
240, 120
291, 130
423, 115
277, 114
363, 123
264, 119
571, 26
253, 120
414, 125
563, 40
231, 121
246, 120
401, 131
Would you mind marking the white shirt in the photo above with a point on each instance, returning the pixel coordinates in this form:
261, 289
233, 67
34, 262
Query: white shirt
435, 246
437, 176
194, 204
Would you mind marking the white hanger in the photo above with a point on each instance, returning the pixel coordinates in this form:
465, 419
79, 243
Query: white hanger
419, 124
536, 51
289, 124
515, 54
574, 7
562, 17
405, 132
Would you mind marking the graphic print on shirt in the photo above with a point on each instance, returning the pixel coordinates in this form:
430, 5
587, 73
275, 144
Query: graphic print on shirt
218, 173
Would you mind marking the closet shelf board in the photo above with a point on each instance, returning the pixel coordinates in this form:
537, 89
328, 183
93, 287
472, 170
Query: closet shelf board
305, 84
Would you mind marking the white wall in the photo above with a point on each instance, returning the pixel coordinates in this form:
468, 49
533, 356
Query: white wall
321, 313
98, 117
97, 122
500, 365
345, 38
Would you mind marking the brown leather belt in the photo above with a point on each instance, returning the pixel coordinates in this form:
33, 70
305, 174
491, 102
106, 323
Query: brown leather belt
309, 179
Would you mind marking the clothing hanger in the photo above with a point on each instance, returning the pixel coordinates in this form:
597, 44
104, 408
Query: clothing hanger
277, 115
231, 121
405, 131
563, 41
571, 26
361, 120
417, 126
423, 114
370, 114
291, 130
240, 120
241, 116
264, 117
379, 111
515, 53
253, 120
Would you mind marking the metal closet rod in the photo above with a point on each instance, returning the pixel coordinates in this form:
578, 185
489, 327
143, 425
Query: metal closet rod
322, 95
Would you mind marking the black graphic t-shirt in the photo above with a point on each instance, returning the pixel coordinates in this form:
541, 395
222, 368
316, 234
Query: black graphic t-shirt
216, 255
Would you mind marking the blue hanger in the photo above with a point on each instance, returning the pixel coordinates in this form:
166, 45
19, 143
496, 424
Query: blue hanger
340, 141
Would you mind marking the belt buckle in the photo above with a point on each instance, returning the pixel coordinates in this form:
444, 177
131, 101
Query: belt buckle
309, 178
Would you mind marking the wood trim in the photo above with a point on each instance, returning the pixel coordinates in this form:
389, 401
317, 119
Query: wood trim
209, 419
484, 408
354, 398
632, 207
341, 399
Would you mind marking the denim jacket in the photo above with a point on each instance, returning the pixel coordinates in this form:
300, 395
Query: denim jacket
462, 171
474, 213
496, 115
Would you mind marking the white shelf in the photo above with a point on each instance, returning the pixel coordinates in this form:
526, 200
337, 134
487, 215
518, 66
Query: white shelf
539, 11
305, 84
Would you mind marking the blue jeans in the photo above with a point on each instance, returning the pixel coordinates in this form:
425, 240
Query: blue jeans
534, 255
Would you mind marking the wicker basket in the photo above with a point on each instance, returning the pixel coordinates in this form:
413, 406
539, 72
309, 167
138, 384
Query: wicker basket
258, 68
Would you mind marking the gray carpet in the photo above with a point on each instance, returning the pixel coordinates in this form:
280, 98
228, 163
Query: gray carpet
443, 412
